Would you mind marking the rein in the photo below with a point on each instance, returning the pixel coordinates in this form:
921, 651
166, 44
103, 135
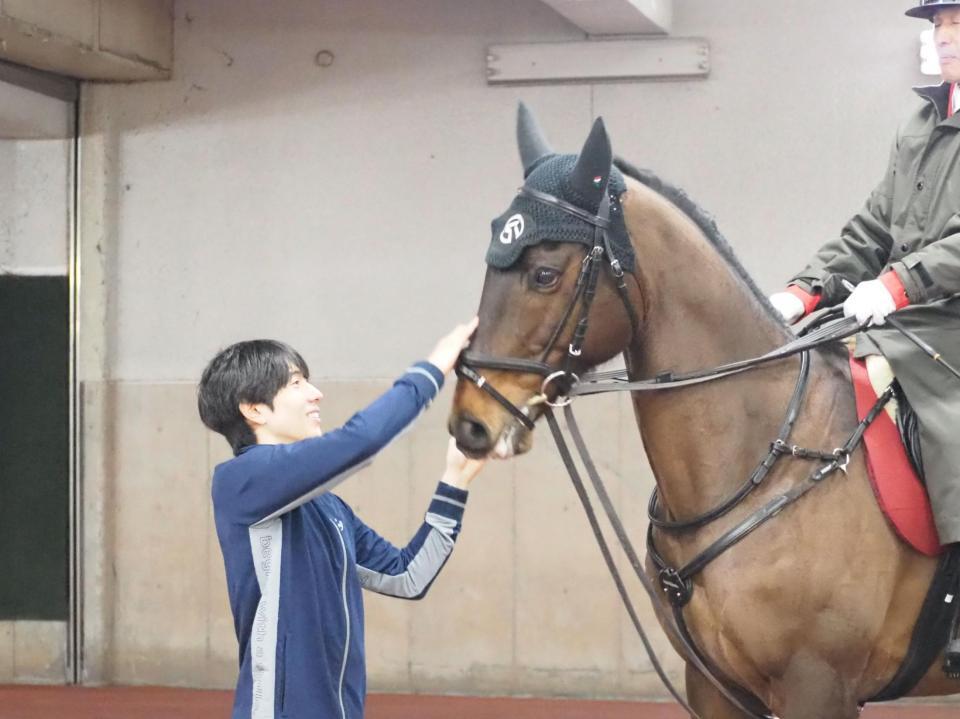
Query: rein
675, 583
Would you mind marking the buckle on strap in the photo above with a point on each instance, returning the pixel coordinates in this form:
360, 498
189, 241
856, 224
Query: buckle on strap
467, 372
677, 589
562, 400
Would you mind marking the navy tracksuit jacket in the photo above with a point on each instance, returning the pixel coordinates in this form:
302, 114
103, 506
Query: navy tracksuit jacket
296, 558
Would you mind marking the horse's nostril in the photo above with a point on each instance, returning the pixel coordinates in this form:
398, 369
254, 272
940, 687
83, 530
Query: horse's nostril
472, 435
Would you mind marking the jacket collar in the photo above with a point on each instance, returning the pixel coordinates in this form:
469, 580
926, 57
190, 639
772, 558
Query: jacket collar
939, 97
936, 95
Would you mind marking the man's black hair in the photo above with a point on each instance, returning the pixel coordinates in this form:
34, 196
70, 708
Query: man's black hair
246, 372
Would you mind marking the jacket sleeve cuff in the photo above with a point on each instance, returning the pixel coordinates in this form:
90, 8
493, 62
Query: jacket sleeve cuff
449, 501
810, 300
426, 376
891, 280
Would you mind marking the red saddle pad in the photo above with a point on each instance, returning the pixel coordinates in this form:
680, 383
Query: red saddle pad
899, 491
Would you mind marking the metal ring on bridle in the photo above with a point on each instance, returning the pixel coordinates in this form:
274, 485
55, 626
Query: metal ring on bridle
560, 401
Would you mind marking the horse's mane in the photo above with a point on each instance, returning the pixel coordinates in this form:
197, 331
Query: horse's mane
703, 220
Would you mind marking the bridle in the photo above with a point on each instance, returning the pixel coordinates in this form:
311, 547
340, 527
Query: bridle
585, 289
675, 583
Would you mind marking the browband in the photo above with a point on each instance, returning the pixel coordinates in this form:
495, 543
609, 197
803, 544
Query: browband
595, 220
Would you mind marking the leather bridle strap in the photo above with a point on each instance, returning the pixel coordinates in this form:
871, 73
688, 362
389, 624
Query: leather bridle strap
477, 359
468, 373
667, 622
778, 448
586, 288
616, 381
599, 220
677, 582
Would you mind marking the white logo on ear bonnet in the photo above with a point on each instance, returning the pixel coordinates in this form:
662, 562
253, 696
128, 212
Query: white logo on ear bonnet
512, 230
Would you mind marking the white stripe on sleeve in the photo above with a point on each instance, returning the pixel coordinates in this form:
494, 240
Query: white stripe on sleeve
423, 568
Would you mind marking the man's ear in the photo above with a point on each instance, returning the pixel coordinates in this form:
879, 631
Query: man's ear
253, 413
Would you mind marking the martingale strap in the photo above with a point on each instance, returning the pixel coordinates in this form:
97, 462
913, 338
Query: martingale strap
674, 629
677, 583
778, 448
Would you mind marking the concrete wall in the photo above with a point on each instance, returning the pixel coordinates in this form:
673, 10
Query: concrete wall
345, 209
260, 194
121, 40
34, 205
33, 652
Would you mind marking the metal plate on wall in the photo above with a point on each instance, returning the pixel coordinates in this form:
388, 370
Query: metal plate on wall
598, 60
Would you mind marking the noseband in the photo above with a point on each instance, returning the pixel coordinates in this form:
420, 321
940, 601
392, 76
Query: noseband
585, 289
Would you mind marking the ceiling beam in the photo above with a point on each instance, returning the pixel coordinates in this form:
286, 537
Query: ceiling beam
617, 17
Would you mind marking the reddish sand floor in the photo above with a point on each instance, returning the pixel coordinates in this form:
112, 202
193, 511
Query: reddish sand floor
29, 702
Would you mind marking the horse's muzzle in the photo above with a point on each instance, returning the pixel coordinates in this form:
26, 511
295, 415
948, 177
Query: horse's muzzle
473, 437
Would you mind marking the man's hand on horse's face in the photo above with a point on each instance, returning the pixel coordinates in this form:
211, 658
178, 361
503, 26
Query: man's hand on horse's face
448, 349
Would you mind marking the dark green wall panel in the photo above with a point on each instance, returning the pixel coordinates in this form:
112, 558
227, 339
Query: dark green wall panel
34, 491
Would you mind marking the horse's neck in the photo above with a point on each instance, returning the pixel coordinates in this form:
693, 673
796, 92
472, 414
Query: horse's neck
701, 441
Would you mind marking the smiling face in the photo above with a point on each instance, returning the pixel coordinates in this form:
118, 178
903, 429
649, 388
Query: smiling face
294, 414
946, 36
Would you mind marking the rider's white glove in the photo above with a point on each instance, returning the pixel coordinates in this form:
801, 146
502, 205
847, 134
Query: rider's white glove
788, 305
870, 300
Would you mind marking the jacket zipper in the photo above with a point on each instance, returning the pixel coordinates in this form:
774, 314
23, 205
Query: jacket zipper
346, 616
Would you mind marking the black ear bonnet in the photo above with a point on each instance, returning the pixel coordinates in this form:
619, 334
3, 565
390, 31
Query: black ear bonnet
577, 179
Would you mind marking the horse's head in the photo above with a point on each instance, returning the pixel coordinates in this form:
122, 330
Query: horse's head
555, 261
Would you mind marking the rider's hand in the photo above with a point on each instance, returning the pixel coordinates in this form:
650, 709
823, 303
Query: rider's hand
788, 305
870, 300
460, 470
444, 355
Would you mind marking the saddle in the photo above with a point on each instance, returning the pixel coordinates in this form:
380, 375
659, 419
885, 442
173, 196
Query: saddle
894, 460
895, 468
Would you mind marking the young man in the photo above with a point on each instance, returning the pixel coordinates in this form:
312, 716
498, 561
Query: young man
902, 251
296, 556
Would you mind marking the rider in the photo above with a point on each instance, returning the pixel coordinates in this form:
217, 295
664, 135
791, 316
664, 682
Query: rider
902, 252
296, 556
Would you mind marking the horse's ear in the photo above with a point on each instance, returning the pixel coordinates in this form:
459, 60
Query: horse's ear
589, 177
533, 145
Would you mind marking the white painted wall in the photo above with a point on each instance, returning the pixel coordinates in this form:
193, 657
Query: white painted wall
345, 209
34, 204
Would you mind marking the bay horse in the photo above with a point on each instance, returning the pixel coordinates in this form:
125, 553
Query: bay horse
812, 614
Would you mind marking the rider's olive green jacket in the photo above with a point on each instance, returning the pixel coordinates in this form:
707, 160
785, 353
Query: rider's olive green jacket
911, 225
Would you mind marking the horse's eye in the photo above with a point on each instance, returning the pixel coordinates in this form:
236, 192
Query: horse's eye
545, 277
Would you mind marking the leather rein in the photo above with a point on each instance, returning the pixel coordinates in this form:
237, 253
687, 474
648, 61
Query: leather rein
676, 583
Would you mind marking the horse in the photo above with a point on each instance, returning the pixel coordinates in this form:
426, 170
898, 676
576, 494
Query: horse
812, 614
